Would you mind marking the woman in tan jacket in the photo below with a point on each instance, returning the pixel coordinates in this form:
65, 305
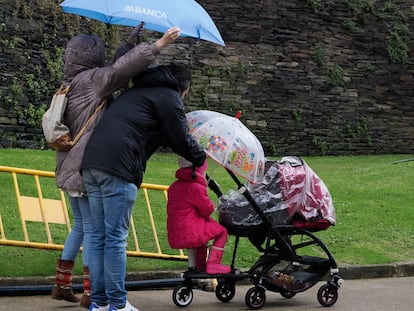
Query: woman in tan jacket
90, 84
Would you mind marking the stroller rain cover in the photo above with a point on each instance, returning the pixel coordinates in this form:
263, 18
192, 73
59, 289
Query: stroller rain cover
290, 193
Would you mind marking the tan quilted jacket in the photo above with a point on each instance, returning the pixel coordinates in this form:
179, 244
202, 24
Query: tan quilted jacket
90, 84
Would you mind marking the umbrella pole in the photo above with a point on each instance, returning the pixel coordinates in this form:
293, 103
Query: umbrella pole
214, 186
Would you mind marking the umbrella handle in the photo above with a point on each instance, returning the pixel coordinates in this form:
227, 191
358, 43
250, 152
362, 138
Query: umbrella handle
214, 186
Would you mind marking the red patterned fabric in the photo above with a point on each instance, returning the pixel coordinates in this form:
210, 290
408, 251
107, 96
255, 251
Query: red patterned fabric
304, 192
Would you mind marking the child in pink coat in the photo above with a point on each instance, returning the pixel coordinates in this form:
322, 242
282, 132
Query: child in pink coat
189, 224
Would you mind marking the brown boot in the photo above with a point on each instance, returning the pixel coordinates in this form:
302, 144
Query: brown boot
62, 290
214, 265
86, 297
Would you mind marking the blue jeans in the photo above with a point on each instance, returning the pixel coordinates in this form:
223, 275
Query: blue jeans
81, 230
111, 200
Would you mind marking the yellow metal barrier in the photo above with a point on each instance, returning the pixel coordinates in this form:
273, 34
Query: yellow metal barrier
146, 239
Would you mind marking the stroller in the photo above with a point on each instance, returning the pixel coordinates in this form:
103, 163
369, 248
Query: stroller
279, 217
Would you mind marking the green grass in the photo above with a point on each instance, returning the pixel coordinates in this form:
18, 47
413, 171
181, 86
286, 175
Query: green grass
373, 199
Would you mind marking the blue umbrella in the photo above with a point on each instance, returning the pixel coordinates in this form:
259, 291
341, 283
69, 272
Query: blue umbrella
158, 15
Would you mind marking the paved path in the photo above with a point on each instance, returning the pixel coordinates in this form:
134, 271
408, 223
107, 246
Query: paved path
394, 294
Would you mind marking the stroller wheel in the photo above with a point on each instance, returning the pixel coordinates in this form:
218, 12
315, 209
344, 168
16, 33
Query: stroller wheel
327, 295
287, 294
225, 291
255, 298
182, 296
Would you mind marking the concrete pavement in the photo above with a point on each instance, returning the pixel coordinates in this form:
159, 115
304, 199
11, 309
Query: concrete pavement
376, 287
374, 294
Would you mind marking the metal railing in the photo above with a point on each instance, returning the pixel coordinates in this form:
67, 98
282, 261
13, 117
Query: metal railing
40, 203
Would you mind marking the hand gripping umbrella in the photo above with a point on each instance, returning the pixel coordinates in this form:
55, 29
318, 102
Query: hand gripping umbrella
158, 15
229, 142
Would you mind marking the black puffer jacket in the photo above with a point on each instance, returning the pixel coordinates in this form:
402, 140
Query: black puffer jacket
145, 117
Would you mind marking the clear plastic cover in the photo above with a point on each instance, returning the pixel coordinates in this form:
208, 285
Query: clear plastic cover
289, 187
303, 191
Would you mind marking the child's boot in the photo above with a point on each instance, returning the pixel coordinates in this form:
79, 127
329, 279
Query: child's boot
62, 290
214, 265
201, 257
86, 297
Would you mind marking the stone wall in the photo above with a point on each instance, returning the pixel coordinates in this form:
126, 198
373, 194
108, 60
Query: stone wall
310, 77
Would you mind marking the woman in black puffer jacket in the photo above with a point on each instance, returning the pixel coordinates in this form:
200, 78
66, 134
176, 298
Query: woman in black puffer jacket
143, 118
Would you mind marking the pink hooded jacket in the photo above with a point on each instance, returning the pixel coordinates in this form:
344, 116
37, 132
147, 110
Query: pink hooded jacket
189, 208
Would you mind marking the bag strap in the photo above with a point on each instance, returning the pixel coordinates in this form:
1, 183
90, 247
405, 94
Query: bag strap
78, 136
63, 90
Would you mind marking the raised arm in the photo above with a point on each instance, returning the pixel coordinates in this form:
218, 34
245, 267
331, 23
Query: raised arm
169, 36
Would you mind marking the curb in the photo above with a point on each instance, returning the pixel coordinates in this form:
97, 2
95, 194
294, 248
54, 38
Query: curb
404, 269
166, 279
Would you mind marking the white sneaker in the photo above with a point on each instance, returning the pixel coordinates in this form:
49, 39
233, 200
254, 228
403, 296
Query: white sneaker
128, 307
95, 307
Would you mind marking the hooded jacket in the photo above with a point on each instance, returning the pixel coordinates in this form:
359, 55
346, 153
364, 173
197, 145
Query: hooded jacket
143, 118
90, 83
189, 224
